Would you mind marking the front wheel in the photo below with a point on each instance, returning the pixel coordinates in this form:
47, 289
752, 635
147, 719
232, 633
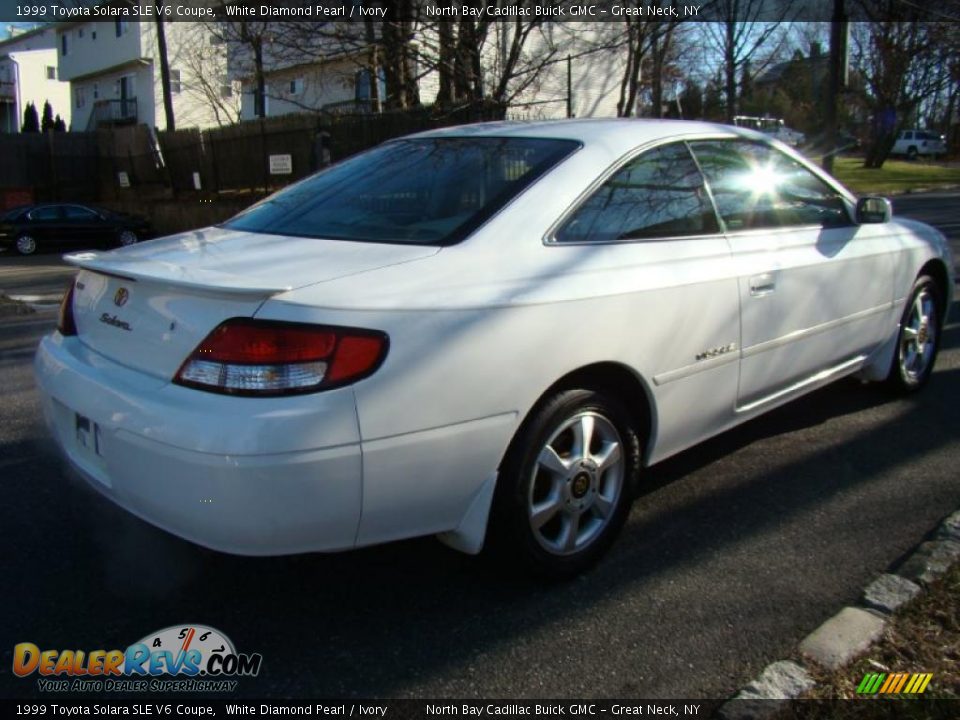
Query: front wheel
918, 339
566, 484
912, 153
26, 245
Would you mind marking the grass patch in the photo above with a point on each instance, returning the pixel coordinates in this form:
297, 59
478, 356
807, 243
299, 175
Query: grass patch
924, 636
894, 176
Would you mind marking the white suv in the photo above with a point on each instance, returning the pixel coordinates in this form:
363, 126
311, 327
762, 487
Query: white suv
913, 143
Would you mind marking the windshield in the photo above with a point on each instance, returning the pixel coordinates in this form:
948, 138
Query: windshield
430, 191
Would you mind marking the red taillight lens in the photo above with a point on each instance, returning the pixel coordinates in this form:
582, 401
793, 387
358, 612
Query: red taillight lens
263, 357
65, 322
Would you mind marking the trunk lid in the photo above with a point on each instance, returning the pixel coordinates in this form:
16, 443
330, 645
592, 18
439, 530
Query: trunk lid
148, 306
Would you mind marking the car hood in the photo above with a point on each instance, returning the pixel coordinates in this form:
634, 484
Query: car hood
231, 260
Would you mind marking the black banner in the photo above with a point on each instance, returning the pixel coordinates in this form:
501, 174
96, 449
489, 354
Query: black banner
46, 11
171, 706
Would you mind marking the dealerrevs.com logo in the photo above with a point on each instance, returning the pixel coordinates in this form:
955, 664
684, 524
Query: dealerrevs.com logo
185, 658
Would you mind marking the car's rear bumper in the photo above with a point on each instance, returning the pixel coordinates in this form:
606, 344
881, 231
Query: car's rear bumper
241, 475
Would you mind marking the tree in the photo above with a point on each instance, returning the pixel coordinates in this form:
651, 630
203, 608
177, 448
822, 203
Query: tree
31, 121
901, 60
59, 125
46, 122
741, 38
164, 67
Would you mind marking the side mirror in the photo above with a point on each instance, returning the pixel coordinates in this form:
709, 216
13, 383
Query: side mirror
874, 210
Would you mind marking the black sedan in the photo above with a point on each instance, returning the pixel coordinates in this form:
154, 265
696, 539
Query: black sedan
29, 228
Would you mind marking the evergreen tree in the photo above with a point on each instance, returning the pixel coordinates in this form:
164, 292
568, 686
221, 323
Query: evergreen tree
46, 123
31, 121
59, 125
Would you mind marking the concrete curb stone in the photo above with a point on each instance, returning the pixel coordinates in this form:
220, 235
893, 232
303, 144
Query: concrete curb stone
888, 592
850, 632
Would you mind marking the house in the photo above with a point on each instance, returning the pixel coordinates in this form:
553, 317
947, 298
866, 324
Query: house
331, 73
28, 74
113, 68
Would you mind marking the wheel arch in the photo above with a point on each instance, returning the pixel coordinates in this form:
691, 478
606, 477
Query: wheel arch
937, 270
620, 381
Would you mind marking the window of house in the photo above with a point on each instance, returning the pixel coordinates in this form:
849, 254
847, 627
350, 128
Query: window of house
96, 91
120, 27
175, 81
659, 194
296, 86
79, 32
63, 44
226, 89
80, 96
51, 72
756, 186
93, 34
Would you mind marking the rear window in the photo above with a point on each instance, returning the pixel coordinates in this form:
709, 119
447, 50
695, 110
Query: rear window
430, 191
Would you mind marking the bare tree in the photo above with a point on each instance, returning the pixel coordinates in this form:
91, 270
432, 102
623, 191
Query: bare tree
742, 37
901, 61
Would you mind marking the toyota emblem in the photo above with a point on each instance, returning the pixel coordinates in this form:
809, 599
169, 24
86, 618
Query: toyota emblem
120, 299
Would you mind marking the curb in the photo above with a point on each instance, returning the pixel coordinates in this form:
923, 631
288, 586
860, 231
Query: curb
850, 632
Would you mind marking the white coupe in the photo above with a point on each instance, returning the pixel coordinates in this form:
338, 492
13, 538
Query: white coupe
483, 332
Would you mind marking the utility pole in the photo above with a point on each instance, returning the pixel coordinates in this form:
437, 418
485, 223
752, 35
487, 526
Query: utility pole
569, 88
837, 81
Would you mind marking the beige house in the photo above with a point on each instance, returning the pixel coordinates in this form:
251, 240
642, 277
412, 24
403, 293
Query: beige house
341, 81
28, 74
113, 68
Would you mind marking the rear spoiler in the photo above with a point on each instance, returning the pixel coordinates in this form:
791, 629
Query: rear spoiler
170, 274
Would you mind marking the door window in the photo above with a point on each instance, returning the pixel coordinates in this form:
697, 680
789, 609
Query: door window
76, 212
757, 186
50, 212
659, 194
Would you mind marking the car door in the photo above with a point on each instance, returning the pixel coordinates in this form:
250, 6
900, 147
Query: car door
45, 224
648, 233
814, 287
83, 227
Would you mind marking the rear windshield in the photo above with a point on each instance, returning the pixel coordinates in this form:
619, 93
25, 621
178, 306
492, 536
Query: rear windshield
431, 191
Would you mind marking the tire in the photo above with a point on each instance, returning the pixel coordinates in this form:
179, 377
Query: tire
25, 245
912, 153
558, 508
127, 237
918, 339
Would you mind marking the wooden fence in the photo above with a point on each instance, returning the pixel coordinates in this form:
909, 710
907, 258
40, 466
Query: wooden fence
136, 164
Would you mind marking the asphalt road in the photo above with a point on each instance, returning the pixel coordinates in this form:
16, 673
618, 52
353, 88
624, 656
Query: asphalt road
739, 548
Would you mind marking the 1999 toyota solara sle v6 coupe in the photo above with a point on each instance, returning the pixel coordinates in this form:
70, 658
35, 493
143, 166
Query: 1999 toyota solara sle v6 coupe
483, 333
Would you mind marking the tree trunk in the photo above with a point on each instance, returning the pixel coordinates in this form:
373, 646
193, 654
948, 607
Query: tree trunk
164, 69
730, 69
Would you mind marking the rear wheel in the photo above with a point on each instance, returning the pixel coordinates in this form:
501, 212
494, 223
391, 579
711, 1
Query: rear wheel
918, 339
911, 153
566, 484
26, 245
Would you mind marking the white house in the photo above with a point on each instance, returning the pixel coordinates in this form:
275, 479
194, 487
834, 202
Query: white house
114, 72
28, 74
340, 81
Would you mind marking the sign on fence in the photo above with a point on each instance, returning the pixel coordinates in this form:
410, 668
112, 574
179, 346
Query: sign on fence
124, 179
281, 164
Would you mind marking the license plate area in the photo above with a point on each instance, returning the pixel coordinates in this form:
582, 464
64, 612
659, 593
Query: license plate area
88, 440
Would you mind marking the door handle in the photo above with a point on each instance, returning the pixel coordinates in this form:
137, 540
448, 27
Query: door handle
762, 284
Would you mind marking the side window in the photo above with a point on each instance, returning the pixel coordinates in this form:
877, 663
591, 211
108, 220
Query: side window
47, 213
659, 194
757, 186
76, 212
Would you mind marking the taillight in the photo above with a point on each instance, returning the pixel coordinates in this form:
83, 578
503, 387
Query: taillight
244, 356
65, 322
